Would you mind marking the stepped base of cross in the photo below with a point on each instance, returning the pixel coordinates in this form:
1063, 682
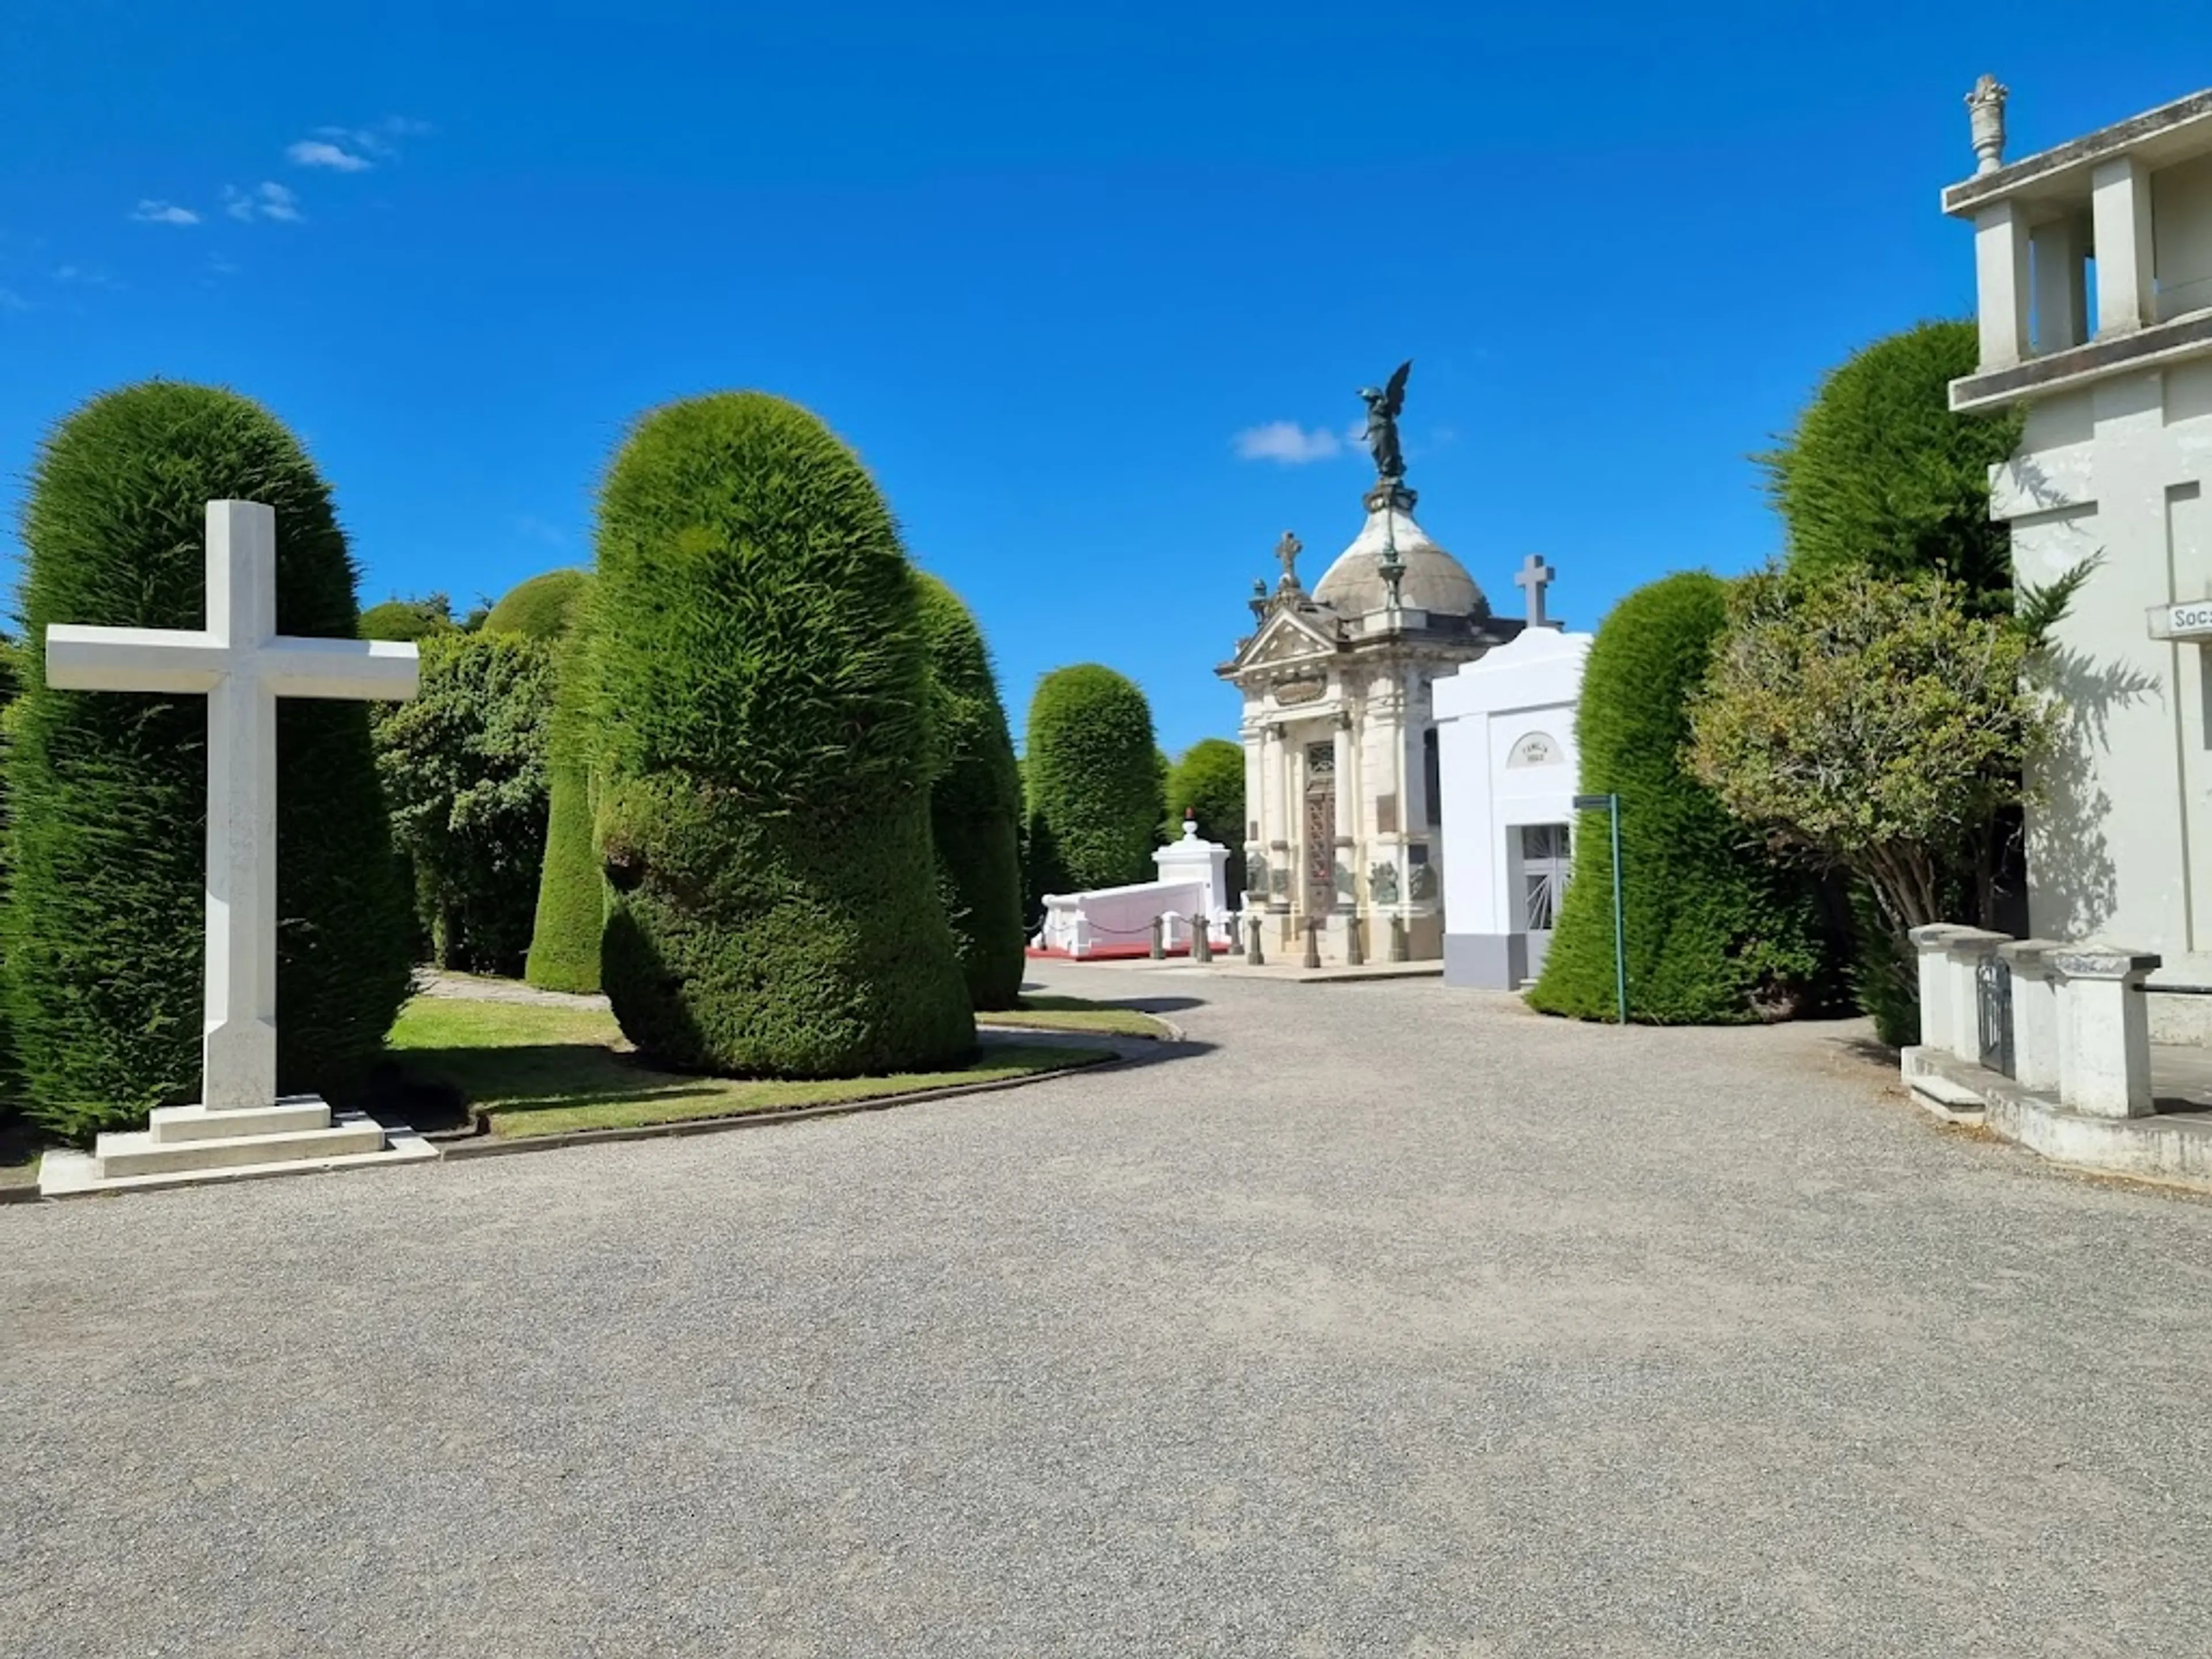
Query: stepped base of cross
183, 1145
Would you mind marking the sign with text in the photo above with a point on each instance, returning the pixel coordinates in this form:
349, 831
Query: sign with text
2189, 620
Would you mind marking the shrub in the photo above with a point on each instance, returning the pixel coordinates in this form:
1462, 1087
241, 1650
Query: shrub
1095, 788
1208, 782
464, 769
104, 923
759, 725
975, 804
540, 608
1881, 477
408, 619
1714, 932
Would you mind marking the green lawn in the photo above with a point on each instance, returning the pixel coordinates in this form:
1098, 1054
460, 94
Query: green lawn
536, 1070
1046, 1013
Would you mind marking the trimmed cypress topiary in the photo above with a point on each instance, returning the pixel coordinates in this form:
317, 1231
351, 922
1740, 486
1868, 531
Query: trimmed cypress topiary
408, 620
975, 804
760, 723
1096, 796
105, 922
1882, 476
1208, 783
1716, 933
572, 893
539, 609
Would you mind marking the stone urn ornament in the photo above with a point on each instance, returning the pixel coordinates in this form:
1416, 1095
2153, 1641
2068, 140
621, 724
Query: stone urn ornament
1985, 107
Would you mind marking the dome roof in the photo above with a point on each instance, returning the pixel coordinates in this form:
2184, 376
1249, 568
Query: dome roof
1434, 580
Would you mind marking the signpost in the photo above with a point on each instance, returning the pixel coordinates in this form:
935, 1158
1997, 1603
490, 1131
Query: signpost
1610, 805
2189, 620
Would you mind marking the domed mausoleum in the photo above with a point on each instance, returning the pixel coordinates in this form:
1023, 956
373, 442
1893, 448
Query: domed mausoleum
1340, 763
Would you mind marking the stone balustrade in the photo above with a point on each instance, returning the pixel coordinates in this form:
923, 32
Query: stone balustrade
2063, 1020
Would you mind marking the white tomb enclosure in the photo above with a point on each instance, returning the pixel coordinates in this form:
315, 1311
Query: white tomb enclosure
242, 665
2094, 267
1508, 764
1117, 921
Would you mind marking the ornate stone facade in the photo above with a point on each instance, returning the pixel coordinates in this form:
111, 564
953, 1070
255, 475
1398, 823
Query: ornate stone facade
1339, 742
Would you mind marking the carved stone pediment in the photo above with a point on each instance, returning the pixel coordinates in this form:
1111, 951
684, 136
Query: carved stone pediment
1288, 641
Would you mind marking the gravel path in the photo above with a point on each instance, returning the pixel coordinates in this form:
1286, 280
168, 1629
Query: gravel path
1390, 1320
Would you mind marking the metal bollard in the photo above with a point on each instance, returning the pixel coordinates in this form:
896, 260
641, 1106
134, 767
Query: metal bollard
1159, 950
1254, 953
1313, 945
1397, 938
1201, 936
1354, 957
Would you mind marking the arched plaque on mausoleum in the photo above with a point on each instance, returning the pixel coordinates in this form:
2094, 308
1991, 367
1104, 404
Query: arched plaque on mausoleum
1534, 748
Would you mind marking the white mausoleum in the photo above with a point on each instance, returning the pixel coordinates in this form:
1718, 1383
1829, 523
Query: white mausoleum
2094, 265
1344, 838
1508, 764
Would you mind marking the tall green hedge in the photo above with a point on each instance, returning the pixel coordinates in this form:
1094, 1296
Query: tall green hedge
1714, 932
104, 924
761, 731
976, 803
1882, 476
1208, 783
1095, 791
539, 609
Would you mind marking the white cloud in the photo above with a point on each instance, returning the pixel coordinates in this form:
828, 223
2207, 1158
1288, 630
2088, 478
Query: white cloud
163, 213
320, 153
1285, 442
11, 300
267, 200
85, 276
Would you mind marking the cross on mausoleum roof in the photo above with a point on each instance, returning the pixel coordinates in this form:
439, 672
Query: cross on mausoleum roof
1534, 577
242, 664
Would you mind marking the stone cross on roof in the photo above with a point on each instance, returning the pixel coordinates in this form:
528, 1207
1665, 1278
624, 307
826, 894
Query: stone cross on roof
1535, 576
242, 664
1287, 550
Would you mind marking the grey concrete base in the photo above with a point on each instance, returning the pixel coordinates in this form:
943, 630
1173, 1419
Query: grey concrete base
1486, 962
2174, 1147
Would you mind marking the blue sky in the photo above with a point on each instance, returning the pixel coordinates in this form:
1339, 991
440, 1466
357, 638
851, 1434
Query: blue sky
1043, 267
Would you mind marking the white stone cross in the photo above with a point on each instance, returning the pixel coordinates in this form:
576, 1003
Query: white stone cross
1535, 576
242, 664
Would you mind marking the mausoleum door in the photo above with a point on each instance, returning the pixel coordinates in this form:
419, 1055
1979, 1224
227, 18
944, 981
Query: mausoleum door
1544, 867
1320, 829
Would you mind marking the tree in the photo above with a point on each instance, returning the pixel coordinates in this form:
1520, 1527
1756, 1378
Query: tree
540, 608
1880, 727
974, 803
1208, 782
464, 768
1881, 476
408, 619
1094, 779
760, 728
1714, 933
104, 926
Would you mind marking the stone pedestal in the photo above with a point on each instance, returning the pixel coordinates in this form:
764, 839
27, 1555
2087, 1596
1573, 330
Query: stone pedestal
2037, 1031
182, 1145
2106, 1059
1935, 968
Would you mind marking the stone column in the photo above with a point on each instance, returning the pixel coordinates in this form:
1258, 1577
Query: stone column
2037, 1031
2107, 1057
1965, 950
2119, 205
1282, 870
1347, 818
2000, 295
2061, 286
